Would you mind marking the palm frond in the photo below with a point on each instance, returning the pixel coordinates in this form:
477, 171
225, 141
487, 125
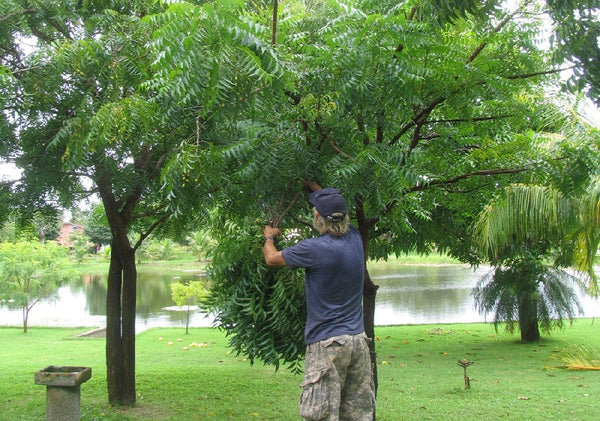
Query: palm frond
589, 238
524, 214
578, 357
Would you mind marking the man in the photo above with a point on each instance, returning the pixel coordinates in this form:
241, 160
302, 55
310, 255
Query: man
337, 372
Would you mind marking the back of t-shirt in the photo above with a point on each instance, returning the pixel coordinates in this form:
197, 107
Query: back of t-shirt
334, 283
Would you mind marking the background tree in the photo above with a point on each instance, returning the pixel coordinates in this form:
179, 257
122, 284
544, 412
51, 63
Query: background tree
519, 233
587, 236
81, 247
200, 242
31, 271
48, 222
95, 225
187, 295
8, 232
90, 104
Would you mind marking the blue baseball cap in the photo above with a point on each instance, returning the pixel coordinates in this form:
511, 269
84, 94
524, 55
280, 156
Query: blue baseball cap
328, 201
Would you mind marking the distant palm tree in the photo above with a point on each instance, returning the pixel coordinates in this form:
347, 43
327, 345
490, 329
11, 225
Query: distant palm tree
528, 294
519, 233
200, 242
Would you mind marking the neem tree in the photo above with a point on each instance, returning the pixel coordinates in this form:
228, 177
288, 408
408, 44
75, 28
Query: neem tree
91, 110
417, 111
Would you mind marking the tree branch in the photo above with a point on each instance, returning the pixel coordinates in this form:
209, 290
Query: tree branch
425, 186
497, 29
463, 120
534, 74
144, 235
418, 119
16, 13
433, 183
424, 113
274, 31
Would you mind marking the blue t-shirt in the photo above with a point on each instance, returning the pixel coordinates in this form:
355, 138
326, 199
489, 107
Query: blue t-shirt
333, 282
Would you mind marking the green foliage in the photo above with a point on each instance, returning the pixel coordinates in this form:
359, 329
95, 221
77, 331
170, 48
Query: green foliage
211, 57
262, 310
201, 242
575, 37
186, 295
160, 249
95, 225
81, 246
31, 271
8, 232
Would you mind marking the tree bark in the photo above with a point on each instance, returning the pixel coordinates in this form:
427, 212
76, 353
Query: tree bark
128, 396
528, 320
369, 291
120, 326
369, 294
25, 316
114, 346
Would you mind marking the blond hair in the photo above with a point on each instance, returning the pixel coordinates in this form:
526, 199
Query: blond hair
335, 228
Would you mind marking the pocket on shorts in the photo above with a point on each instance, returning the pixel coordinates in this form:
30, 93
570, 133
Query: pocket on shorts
314, 400
334, 341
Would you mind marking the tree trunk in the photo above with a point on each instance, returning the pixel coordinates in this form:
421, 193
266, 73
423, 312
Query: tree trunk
369, 294
187, 320
528, 320
369, 289
114, 347
25, 316
120, 326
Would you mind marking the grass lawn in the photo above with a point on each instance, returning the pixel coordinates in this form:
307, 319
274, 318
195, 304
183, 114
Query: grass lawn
419, 378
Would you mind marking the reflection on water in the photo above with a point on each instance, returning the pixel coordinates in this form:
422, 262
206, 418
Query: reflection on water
435, 294
425, 294
83, 303
407, 295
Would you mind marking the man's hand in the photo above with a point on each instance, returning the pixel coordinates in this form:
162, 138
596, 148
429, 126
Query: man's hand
269, 230
273, 257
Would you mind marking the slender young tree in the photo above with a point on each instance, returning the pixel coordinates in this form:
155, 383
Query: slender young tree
31, 271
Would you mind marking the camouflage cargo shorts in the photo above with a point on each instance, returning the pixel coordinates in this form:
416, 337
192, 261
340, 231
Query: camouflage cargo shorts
338, 383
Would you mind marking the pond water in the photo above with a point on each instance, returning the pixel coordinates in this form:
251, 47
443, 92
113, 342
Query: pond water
419, 294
